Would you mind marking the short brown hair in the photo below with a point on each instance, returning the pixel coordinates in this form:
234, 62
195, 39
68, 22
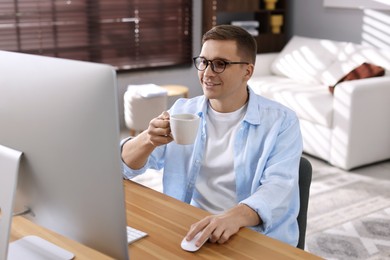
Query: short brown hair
246, 44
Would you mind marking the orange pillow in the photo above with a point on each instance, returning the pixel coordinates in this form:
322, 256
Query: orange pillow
366, 70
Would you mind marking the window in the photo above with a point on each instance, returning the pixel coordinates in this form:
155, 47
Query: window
127, 34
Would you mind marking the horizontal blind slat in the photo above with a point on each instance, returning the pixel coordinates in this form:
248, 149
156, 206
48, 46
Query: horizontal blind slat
123, 33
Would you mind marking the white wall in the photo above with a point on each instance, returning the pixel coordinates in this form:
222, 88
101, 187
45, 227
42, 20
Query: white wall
312, 19
181, 76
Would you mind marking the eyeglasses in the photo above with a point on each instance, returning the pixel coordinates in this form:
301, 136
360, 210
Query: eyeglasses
218, 66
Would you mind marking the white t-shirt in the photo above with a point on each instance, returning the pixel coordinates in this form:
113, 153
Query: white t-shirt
215, 187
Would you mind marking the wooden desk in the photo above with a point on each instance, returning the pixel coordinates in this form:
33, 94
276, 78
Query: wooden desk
167, 220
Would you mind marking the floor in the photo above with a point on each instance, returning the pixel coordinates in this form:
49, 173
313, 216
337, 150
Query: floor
349, 212
380, 170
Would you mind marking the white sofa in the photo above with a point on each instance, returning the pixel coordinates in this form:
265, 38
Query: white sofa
348, 129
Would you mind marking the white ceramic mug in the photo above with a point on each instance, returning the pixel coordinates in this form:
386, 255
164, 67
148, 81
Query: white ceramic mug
184, 128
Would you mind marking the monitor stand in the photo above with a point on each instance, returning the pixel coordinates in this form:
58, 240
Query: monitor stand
9, 169
29, 247
36, 248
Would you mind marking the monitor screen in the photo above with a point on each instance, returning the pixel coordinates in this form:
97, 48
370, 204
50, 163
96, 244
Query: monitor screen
63, 115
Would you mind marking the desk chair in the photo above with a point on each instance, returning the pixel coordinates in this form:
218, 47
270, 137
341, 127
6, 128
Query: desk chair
305, 173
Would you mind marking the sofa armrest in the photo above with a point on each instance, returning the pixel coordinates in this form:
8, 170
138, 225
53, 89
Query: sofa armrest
263, 63
360, 122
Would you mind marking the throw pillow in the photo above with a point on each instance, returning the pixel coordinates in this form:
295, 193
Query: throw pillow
351, 57
366, 70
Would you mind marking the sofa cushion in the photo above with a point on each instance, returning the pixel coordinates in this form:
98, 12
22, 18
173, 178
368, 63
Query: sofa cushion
311, 102
352, 56
363, 71
305, 59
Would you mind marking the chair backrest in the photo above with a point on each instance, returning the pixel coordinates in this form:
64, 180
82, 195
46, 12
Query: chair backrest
305, 173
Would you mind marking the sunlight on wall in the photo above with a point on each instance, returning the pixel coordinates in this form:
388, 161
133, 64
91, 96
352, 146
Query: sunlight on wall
361, 4
376, 28
383, 2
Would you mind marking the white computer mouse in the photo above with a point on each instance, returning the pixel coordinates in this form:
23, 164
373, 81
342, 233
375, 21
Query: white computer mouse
190, 245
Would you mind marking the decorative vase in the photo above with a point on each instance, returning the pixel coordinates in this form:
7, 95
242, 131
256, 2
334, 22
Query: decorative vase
276, 23
270, 4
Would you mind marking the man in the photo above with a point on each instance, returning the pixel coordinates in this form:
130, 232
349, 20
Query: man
243, 166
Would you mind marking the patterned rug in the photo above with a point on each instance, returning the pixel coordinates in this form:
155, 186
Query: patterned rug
349, 215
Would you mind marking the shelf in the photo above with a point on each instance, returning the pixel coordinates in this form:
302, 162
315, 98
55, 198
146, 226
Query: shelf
237, 5
225, 11
270, 42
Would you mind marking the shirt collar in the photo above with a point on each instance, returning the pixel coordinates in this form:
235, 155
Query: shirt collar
252, 115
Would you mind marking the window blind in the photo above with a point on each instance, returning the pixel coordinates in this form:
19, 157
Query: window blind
128, 34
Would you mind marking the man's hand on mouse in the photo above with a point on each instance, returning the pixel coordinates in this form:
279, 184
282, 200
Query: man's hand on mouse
219, 228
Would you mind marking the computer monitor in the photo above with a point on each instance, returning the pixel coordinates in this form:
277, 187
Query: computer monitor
63, 115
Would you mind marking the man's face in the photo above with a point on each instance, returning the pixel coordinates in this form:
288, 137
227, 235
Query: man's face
229, 85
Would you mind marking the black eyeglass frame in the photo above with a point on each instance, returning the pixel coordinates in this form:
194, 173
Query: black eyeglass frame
212, 64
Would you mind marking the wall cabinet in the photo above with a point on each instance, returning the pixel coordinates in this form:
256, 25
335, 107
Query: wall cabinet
269, 38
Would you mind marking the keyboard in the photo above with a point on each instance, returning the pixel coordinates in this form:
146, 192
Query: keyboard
134, 234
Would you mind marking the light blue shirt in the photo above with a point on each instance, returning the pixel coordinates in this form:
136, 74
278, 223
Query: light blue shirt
267, 151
